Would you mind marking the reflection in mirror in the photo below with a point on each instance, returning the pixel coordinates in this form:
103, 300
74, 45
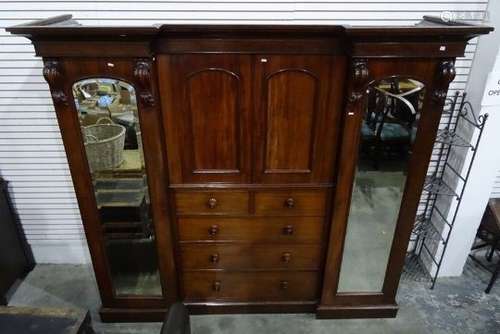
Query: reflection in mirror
107, 110
388, 129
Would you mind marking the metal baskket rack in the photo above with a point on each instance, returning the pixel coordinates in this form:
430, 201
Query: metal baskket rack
445, 185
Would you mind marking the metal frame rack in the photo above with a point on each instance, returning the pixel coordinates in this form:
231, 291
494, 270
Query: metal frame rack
433, 228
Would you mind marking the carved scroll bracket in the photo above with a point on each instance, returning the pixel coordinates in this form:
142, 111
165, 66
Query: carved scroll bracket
52, 72
142, 74
445, 74
359, 77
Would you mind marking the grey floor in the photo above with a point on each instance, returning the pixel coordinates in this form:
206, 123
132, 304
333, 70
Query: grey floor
457, 305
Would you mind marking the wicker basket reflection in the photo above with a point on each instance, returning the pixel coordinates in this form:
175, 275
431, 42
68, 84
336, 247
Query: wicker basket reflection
104, 144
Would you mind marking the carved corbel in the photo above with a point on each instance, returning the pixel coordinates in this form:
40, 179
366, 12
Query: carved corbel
52, 73
59, 97
359, 76
446, 73
142, 74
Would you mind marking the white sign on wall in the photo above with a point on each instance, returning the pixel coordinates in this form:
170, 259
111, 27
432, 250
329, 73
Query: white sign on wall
491, 95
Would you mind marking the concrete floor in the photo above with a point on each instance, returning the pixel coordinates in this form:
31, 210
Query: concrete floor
457, 305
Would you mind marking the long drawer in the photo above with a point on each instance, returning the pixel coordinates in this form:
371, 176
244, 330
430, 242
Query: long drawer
251, 229
247, 287
248, 256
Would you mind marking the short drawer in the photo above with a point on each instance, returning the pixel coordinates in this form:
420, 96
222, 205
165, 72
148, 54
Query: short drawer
211, 202
248, 256
293, 203
251, 229
252, 286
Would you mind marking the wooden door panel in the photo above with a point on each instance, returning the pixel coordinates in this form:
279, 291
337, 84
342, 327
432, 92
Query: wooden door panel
212, 101
207, 107
292, 101
298, 101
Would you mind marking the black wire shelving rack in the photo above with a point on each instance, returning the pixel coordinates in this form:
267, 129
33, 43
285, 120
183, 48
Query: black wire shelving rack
444, 185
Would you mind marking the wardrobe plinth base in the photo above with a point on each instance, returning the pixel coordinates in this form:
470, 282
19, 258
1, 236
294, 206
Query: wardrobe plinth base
236, 308
356, 312
132, 314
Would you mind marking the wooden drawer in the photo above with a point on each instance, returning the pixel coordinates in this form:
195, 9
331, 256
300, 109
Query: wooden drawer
251, 229
251, 286
211, 202
247, 256
293, 203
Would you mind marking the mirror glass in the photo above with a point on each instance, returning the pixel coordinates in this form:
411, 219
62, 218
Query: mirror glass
109, 121
388, 129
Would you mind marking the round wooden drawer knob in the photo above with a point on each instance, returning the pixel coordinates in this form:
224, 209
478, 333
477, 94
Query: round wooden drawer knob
286, 257
212, 203
290, 203
213, 230
284, 285
216, 286
288, 230
214, 258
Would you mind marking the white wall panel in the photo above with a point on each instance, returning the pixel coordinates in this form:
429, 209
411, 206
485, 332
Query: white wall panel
31, 153
495, 192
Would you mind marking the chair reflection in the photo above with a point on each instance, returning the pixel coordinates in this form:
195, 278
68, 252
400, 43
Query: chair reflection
389, 127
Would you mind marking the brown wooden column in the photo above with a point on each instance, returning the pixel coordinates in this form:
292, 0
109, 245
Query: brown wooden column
60, 90
352, 117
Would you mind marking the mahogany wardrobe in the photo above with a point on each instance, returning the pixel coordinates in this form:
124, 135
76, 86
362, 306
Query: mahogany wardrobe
248, 168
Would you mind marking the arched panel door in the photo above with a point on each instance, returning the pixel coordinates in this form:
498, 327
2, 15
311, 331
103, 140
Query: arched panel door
207, 117
291, 105
296, 101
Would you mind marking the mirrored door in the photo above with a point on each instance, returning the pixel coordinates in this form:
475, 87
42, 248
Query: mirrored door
111, 131
391, 115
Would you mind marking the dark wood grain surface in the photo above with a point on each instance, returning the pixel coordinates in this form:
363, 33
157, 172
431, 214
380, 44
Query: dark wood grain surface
44, 320
16, 258
254, 229
248, 256
247, 287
